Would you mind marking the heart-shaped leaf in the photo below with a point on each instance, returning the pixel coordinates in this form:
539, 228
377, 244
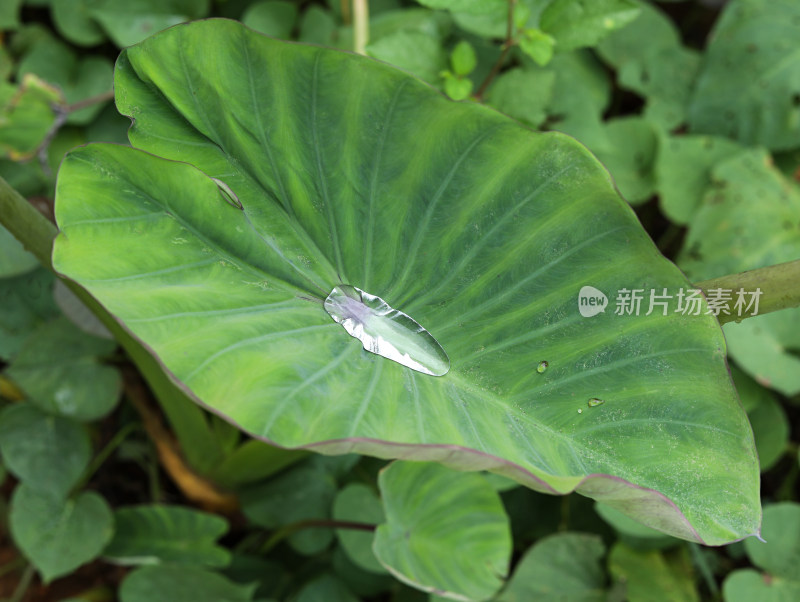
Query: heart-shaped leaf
445, 532
329, 169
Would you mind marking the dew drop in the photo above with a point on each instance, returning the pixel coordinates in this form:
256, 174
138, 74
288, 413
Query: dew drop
542, 367
594, 402
580, 410
385, 331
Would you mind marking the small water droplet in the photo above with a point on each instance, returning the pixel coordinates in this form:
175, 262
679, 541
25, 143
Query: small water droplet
542, 366
594, 402
580, 410
385, 331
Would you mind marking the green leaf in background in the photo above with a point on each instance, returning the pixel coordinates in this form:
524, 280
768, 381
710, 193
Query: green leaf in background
317, 26
457, 88
581, 94
359, 503
564, 567
14, 259
48, 453
634, 534
730, 233
683, 171
445, 532
463, 58
416, 52
777, 557
578, 23
325, 589
274, 18
653, 576
304, 492
523, 94
26, 302
629, 154
9, 14
181, 584
73, 20
348, 171
767, 417
747, 87
155, 534
26, 116
60, 369
130, 21
651, 61
78, 79
537, 45
59, 535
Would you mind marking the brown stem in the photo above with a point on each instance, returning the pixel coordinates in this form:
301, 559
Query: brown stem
193, 486
507, 44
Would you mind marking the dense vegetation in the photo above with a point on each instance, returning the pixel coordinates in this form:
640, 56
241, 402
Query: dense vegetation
283, 171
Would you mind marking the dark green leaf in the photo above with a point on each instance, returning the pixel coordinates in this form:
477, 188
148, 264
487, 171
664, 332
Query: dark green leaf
59, 535
629, 154
359, 503
130, 21
157, 534
416, 52
73, 20
14, 259
523, 94
48, 453
181, 584
653, 576
274, 18
26, 302
325, 589
578, 23
778, 553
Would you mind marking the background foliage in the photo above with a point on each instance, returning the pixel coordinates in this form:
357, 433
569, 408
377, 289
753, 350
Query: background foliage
695, 110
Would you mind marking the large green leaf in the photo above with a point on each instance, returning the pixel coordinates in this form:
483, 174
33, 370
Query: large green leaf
336, 169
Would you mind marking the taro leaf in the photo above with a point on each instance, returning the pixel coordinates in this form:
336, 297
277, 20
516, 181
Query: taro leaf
653, 576
564, 567
59, 535
14, 259
156, 534
749, 219
683, 171
358, 502
445, 532
26, 302
632, 533
181, 584
60, 369
483, 232
777, 557
748, 83
48, 453
767, 417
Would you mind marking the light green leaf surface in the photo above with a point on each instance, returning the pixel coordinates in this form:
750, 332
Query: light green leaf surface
351, 172
359, 503
445, 532
523, 94
746, 585
653, 576
61, 370
59, 535
181, 584
155, 534
559, 568
48, 453
26, 116
747, 87
416, 52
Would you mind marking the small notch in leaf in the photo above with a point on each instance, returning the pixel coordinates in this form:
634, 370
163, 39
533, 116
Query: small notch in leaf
228, 194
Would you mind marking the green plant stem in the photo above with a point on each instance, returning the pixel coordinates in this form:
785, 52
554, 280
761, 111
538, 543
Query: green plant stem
285, 531
360, 25
23, 585
104, 453
779, 286
27, 225
507, 44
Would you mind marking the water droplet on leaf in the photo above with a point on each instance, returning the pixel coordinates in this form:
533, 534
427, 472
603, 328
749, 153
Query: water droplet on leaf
594, 402
542, 367
385, 331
